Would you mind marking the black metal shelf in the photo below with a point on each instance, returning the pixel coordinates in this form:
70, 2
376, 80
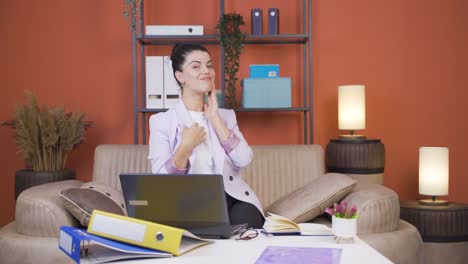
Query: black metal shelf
214, 39
241, 109
140, 39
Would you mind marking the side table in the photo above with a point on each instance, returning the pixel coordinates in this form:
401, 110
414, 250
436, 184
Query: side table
362, 159
444, 230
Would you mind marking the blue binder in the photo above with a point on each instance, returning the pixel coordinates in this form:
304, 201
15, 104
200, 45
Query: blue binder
256, 20
79, 245
273, 21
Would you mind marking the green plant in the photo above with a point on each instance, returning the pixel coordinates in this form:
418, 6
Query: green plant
232, 40
46, 136
132, 11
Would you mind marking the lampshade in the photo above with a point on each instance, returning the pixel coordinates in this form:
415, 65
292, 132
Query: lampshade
351, 107
433, 171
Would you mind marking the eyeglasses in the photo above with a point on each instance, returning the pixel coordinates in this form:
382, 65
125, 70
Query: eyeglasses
248, 234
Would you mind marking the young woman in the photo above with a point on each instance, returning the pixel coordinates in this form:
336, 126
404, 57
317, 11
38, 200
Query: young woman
199, 137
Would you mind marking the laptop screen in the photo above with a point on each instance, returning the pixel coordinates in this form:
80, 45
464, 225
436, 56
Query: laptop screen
182, 200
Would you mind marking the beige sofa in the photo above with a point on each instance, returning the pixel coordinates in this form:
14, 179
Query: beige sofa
274, 172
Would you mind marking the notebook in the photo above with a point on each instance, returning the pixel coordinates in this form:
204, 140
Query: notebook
195, 202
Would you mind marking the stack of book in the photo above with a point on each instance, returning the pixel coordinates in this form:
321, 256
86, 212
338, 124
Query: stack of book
112, 237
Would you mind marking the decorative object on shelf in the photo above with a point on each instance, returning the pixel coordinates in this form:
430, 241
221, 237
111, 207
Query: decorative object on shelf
351, 110
344, 221
232, 40
433, 174
273, 21
131, 11
45, 137
256, 21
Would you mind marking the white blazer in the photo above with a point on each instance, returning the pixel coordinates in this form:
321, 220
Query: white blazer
166, 134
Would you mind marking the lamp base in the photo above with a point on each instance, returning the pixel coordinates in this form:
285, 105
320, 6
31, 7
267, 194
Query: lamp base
352, 137
432, 202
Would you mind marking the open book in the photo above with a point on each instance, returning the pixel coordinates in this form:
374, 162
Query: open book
280, 225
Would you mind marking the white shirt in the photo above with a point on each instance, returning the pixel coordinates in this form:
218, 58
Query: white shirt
203, 162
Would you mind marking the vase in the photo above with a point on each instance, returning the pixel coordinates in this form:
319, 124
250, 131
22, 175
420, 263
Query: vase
344, 227
25, 179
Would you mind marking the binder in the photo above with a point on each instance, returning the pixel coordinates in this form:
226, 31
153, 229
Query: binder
256, 20
273, 21
154, 82
83, 247
171, 87
144, 233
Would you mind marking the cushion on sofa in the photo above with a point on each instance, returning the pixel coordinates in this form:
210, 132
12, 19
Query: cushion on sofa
40, 212
81, 202
312, 199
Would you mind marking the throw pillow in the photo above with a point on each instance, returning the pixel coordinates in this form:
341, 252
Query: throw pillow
311, 200
81, 202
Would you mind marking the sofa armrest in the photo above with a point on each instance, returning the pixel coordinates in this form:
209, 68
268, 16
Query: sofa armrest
378, 208
40, 212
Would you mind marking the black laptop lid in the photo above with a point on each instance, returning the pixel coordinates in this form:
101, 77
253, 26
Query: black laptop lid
189, 201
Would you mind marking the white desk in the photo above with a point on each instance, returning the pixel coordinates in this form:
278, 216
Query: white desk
248, 251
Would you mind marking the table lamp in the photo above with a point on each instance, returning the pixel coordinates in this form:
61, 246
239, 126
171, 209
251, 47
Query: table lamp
351, 110
433, 174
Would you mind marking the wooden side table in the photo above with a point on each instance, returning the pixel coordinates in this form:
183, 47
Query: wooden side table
440, 224
362, 159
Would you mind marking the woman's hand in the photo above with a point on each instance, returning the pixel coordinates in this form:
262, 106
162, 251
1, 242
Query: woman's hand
212, 108
193, 136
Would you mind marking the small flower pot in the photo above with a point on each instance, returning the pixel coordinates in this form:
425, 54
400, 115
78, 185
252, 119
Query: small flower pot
344, 227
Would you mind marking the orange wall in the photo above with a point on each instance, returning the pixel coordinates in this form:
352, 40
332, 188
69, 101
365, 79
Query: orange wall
411, 55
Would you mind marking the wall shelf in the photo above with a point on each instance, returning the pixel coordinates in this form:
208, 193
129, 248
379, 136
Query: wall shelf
304, 39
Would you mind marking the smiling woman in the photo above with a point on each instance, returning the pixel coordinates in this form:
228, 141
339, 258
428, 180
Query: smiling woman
198, 137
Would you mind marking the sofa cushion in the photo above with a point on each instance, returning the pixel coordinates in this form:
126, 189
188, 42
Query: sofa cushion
81, 202
311, 200
40, 212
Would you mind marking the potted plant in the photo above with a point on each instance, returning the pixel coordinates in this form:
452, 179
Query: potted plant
232, 40
344, 220
45, 137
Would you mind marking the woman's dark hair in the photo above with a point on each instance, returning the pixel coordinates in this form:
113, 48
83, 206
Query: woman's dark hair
179, 55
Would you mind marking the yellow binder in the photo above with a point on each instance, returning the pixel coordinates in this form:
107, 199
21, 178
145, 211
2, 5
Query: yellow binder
144, 233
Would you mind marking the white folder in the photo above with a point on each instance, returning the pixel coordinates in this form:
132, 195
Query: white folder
174, 30
154, 82
172, 90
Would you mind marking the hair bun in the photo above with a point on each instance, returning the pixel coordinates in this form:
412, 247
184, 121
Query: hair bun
174, 49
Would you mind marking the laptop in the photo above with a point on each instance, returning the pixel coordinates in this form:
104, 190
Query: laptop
195, 202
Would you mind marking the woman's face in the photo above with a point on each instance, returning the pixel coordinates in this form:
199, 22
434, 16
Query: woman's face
198, 73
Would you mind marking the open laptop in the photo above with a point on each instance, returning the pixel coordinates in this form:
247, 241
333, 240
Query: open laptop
195, 202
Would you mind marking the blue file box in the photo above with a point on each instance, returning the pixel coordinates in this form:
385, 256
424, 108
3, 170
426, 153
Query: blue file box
266, 92
264, 70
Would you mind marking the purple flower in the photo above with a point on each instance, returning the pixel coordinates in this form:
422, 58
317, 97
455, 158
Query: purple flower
341, 210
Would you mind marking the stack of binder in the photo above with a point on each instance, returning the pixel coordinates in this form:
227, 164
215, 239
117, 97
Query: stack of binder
162, 89
113, 237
